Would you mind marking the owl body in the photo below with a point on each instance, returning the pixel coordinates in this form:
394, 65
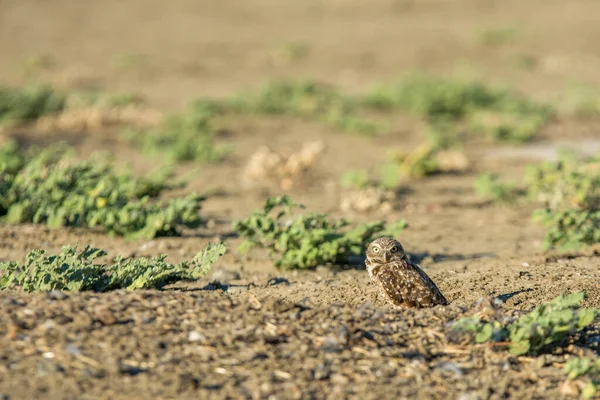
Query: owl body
401, 282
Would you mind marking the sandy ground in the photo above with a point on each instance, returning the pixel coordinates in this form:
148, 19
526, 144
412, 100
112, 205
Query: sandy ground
265, 333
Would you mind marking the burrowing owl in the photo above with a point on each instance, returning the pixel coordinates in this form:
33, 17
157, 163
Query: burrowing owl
401, 282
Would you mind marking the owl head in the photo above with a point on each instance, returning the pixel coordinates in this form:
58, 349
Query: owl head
384, 250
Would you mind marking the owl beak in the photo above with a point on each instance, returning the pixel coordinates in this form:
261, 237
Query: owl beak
387, 256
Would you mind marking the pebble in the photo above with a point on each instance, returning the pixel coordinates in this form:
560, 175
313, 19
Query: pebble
448, 366
56, 295
195, 336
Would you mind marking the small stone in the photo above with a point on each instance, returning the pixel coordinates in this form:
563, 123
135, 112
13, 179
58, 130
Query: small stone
330, 344
448, 366
253, 302
322, 372
104, 315
56, 295
281, 375
339, 379
72, 349
195, 336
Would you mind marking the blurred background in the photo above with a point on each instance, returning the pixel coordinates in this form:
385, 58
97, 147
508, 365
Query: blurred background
174, 53
347, 105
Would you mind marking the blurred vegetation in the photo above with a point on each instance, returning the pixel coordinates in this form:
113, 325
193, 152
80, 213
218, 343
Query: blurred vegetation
489, 185
77, 271
290, 52
497, 36
494, 113
580, 100
20, 105
307, 240
182, 137
306, 99
569, 192
585, 367
50, 187
547, 326
355, 179
27, 104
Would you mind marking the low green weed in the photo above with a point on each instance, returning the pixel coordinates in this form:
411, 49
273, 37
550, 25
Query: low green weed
568, 191
495, 113
547, 325
27, 104
307, 240
306, 99
497, 36
354, 179
20, 105
585, 367
489, 185
53, 189
75, 270
181, 137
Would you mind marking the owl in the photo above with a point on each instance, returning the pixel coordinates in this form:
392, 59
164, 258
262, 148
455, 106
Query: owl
401, 282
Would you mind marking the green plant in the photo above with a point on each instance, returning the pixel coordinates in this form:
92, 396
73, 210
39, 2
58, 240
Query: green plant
497, 36
488, 185
585, 367
51, 188
518, 126
425, 160
100, 99
569, 229
306, 99
568, 191
289, 52
182, 137
355, 179
75, 270
33, 64
29, 103
548, 324
498, 114
19, 105
307, 240
580, 100
571, 182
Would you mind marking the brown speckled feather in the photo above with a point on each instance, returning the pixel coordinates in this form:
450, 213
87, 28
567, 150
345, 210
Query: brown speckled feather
404, 284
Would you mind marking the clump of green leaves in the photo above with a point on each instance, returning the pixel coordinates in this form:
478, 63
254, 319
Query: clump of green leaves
497, 36
547, 325
585, 367
307, 240
306, 99
495, 113
489, 185
580, 100
19, 105
181, 137
26, 104
441, 153
51, 188
569, 229
77, 271
100, 99
355, 179
569, 193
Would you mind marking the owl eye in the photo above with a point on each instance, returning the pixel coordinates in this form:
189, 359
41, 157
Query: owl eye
394, 249
375, 249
